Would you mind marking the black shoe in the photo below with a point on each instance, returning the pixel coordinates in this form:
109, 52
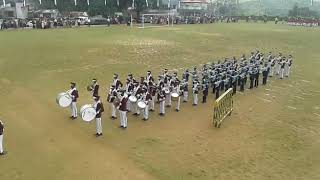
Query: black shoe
73, 118
124, 127
151, 110
145, 119
3, 153
112, 117
194, 104
177, 110
97, 134
136, 114
100, 134
185, 101
161, 114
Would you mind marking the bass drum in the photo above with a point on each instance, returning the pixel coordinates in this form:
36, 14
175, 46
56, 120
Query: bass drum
87, 112
141, 104
64, 99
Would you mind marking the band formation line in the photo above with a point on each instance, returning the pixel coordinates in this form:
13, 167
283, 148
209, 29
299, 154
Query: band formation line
140, 96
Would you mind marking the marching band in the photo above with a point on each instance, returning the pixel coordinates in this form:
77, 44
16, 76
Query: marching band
140, 96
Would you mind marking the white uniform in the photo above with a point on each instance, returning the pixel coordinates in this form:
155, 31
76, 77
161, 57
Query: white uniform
168, 98
195, 94
177, 90
123, 113
73, 106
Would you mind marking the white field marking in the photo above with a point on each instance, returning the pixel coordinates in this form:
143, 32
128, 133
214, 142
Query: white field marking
265, 100
316, 107
298, 97
279, 87
290, 107
307, 94
317, 114
267, 94
270, 90
303, 80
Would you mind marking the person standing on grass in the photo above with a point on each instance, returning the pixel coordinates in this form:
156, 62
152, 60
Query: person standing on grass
123, 110
256, 76
162, 98
282, 65
99, 109
74, 95
1, 138
290, 60
217, 87
265, 72
251, 77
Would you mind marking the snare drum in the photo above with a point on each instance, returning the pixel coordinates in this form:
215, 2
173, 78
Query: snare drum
64, 99
142, 104
175, 96
132, 99
87, 112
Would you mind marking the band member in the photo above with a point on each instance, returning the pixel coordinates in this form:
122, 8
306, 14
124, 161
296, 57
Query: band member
251, 77
256, 76
149, 77
176, 89
137, 90
265, 71
94, 88
99, 109
165, 76
147, 99
185, 75
169, 88
112, 95
153, 92
217, 88
129, 91
282, 65
241, 79
116, 82
195, 90
123, 110
290, 61
278, 64
205, 90
1, 138
272, 68
74, 95
185, 90
234, 83
162, 98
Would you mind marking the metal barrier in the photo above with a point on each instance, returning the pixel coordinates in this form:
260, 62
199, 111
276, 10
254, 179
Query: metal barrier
223, 107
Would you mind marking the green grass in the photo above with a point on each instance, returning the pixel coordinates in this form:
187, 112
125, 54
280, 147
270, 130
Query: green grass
261, 140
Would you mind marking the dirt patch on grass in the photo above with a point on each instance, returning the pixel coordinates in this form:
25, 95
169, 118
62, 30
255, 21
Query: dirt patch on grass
144, 42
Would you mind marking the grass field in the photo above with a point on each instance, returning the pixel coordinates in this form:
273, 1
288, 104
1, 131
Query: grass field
273, 132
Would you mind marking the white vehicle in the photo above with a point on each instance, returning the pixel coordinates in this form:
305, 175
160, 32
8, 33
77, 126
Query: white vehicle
29, 24
83, 19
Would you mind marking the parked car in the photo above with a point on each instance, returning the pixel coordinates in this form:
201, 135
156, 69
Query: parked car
98, 21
